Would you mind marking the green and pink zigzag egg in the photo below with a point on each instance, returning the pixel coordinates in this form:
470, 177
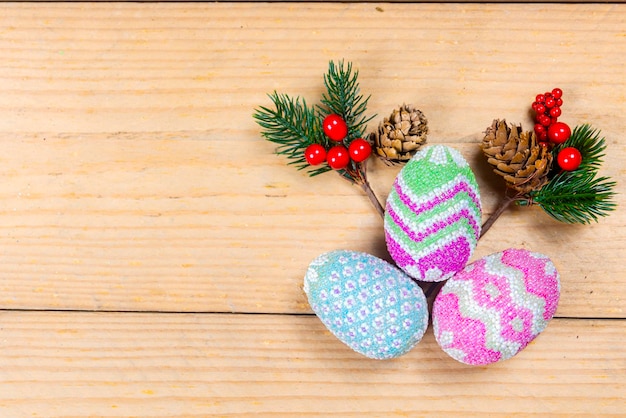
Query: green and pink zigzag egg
433, 215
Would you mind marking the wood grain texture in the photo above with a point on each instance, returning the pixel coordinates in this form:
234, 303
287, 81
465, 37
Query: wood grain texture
135, 183
84, 365
348, 1
136, 178
121, 222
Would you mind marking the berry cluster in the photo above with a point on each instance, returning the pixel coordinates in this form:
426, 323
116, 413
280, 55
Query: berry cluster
338, 156
547, 109
550, 131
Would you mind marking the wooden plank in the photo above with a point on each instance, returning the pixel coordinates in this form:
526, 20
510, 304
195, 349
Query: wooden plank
82, 365
135, 178
111, 223
152, 67
346, 1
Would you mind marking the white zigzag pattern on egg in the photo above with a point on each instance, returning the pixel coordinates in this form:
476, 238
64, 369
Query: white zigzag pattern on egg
519, 295
418, 228
491, 317
459, 231
436, 193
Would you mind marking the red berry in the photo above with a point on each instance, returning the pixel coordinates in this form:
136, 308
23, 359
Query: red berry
555, 112
534, 106
540, 98
559, 102
540, 131
544, 120
557, 93
550, 102
559, 132
338, 157
335, 127
315, 154
547, 94
569, 159
540, 108
359, 150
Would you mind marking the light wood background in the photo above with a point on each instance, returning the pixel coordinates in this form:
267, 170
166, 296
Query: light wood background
152, 246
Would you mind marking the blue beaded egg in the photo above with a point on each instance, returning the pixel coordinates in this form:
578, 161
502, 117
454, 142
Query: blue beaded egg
370, 305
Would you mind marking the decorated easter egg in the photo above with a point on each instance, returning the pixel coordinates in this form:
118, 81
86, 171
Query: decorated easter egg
493, 308
371, 306
433, 215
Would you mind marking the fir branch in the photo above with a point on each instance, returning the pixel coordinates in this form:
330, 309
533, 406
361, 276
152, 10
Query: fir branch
342, 97
508, 200
317, 170
293, 126
576, 197
591, 146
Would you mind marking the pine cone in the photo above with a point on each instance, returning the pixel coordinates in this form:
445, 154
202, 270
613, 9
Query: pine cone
400, 135
517, 156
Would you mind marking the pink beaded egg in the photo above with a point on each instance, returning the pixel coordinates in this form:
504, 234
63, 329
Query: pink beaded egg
494, 307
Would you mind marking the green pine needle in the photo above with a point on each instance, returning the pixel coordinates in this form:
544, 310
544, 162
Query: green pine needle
576, 197
591, 146
342, 97
293, 126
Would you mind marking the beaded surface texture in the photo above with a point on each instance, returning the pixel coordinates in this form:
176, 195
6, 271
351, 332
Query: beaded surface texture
494, 307
367, 303
433, 215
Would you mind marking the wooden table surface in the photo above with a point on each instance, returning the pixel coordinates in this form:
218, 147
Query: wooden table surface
152, 246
